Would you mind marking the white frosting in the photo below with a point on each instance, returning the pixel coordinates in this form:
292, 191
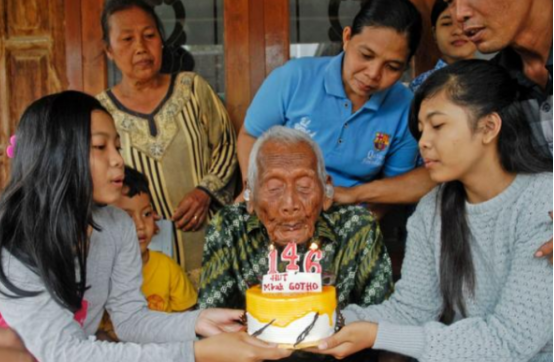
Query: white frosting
288, 335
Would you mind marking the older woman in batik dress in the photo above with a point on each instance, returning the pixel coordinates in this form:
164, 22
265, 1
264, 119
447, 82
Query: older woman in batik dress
173, 128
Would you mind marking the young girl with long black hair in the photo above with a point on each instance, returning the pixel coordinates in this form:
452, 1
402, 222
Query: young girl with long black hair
65, 256
471, 289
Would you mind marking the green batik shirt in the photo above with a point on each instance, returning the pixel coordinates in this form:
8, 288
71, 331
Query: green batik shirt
237, 247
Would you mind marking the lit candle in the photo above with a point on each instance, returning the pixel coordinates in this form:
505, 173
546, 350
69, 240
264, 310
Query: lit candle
291, 255
311, 260
272, 260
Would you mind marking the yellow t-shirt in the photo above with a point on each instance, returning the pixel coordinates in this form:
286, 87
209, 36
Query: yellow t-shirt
165, 286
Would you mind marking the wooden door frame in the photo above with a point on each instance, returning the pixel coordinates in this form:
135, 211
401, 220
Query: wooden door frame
87, 66
74, 43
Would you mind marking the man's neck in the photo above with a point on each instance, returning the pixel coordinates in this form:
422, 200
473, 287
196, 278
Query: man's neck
533, 44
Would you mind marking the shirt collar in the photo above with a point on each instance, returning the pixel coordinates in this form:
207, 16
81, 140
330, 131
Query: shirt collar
333, 77
511, 60
440, 64
334, 86
323, 227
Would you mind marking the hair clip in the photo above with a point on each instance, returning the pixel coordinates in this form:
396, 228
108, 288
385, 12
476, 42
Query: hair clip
11, 147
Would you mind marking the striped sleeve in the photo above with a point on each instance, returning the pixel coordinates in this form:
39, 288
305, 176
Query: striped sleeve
222, 142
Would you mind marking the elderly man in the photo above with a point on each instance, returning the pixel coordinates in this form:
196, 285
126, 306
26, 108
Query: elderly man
521, 30
289, 199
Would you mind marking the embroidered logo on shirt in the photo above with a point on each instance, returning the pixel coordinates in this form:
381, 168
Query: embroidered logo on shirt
304, 126
374, 158
381, 141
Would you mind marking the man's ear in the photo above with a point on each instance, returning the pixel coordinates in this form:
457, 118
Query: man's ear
490, 126
346, 36
328, 193
108, 51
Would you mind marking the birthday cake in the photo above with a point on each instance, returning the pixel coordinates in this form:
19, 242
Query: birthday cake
292, 309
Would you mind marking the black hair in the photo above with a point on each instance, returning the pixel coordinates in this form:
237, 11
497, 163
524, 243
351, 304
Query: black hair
399, 15
135, 182
482, 88
113, 6
176, 59
46, 207
438, 8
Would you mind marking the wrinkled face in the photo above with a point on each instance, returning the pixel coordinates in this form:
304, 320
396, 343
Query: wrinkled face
450, 148
451, 40
491, 24
373, 60
288, 196
106, 163
135, 44
140, 210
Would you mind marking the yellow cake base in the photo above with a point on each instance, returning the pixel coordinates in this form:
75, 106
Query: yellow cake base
290, 314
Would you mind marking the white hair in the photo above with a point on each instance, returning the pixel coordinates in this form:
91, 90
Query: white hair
288, 136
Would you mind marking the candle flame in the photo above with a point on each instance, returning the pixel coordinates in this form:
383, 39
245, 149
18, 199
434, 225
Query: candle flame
271, 247
313, 247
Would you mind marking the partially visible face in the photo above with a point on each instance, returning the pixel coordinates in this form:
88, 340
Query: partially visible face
451, 40
135, 44
106, 163
140, 210
492, 24
450, 148
289, 196
374, 60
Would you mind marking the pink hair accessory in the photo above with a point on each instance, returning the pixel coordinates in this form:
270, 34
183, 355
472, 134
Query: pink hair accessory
11, 148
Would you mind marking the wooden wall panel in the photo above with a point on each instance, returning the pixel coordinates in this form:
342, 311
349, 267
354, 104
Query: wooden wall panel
27, 80
28, 17
94, 63
74, 46
32, 60
237, 58
277, 34
427, 53
256, 20
256, 42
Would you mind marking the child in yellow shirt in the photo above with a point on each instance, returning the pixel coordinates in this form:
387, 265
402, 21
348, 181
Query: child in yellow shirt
165, 286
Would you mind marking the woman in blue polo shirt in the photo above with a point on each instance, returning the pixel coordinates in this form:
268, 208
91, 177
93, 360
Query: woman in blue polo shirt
353, 105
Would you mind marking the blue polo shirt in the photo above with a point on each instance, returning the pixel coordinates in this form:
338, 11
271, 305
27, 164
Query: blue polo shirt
307, 94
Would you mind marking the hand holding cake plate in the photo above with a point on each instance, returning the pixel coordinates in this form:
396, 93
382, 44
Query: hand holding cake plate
214, 321
353, 338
